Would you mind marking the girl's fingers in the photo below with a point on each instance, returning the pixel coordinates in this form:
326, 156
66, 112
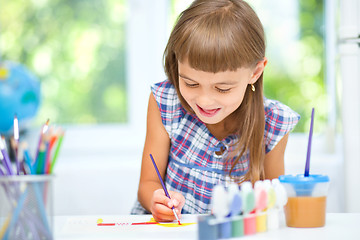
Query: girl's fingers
162, 214
162, 206
159, 197
178, 199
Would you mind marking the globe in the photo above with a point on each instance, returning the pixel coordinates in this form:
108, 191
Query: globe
19, 95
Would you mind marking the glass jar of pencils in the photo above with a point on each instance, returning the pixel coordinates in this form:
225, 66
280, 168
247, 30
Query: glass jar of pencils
26, 209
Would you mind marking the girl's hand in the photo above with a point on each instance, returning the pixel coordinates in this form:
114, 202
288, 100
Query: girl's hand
161, 205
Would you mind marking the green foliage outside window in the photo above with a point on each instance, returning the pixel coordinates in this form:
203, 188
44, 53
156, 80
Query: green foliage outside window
303, 86
77, 50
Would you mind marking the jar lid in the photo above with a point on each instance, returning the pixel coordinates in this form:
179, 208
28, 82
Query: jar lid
300, 178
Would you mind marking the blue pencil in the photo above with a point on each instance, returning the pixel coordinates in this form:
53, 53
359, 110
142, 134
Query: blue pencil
163, 185
28, 161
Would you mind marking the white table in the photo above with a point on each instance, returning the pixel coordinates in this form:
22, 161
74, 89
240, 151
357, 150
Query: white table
343, 226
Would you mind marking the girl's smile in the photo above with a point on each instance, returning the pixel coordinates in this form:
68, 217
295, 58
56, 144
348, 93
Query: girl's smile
208, 112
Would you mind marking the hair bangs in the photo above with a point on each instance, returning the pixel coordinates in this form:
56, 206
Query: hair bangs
211, 45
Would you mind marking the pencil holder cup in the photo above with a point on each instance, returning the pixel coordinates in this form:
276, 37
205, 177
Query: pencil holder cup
26, 209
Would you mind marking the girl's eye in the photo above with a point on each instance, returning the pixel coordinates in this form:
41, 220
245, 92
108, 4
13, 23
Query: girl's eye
191, 85
223, 90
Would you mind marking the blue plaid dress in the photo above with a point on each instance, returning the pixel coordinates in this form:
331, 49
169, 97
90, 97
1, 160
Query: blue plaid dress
194, 168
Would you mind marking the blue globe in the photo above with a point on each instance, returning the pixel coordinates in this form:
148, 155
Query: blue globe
19, 94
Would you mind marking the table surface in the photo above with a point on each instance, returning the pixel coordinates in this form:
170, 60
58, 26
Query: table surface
338, 226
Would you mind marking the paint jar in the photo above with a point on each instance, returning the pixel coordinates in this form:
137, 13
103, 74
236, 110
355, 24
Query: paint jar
250, 223
237, 226
26, 209
224, 228
306, 205
207, 227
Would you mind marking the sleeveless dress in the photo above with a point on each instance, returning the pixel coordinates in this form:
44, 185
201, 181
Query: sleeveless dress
193, 167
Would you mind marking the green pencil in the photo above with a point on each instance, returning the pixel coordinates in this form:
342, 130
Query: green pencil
56, 151
40, 161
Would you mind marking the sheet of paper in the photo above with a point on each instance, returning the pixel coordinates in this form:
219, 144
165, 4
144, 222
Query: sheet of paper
130, 226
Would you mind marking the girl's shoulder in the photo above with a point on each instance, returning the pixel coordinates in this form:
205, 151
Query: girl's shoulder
279, 120
275, 110
171, 110
164, 90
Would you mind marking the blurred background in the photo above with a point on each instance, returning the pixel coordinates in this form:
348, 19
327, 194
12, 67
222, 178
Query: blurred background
95, 61
79, 51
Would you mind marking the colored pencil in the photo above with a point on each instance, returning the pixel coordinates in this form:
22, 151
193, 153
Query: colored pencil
27, 159
2, 173
43, 131
47, 157
6, 158
56, 153
16, 144
40, 161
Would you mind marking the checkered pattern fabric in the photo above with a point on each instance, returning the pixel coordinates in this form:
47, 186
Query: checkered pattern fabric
194, 168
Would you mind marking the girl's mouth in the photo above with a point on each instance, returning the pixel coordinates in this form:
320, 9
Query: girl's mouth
208, 112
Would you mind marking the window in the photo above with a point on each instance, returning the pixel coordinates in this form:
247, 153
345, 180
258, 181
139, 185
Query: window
95, 60
77, 49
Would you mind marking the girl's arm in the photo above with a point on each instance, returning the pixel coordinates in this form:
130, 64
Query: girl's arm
274, 160
150, 192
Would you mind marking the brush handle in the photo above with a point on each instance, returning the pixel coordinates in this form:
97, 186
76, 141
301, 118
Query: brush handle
160, 178
163, 186
307, 165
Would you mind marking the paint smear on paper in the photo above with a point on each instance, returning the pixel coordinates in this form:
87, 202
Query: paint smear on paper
172, 224
152, 221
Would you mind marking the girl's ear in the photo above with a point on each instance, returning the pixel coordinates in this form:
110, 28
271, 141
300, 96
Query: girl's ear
258, 70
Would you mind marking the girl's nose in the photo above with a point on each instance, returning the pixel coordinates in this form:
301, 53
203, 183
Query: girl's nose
205, 99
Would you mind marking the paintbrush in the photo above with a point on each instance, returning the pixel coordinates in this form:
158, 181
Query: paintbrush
307, 164
164, 187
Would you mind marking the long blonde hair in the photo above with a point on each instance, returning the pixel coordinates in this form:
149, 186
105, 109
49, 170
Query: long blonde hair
224, 35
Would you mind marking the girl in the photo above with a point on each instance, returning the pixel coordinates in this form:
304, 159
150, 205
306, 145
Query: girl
209, 123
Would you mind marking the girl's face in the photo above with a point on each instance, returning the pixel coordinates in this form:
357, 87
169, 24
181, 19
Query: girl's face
214, 96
